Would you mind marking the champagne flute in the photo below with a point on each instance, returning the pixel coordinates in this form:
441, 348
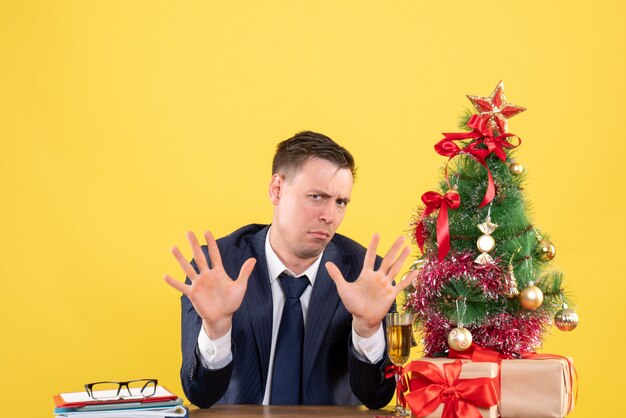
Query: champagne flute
399, 327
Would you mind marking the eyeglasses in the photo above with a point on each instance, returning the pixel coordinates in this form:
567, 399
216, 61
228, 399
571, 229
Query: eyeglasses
132, 389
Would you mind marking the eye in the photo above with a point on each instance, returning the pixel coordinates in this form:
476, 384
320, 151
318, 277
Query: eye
341, 203
315, 196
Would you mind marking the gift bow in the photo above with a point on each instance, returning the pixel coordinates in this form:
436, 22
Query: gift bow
482, 135
429, 387
433, 201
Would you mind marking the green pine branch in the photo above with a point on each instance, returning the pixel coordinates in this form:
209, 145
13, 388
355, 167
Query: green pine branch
463, 301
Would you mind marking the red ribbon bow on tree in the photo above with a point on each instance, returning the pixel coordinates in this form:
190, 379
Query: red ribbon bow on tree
433, 201
482, 135
429, 387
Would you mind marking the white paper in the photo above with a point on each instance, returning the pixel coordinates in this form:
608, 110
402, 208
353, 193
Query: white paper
73, 397
176, 411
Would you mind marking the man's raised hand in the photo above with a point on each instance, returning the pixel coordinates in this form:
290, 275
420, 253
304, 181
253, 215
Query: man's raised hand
214, 295
369, 298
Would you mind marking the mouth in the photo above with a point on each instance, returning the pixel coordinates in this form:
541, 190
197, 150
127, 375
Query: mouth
323, 235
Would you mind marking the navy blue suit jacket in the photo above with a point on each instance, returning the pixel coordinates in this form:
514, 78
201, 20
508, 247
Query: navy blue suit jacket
332, 375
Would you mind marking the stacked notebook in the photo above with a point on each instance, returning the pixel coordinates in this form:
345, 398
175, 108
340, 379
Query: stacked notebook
163, 404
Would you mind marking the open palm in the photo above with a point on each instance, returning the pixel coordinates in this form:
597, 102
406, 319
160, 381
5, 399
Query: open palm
369, 298
214, 295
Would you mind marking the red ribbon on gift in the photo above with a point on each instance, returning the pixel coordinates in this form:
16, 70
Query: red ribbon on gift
433, 201
478, 354
482, 135
429, 387
401, 384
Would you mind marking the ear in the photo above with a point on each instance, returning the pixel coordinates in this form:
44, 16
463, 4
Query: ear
276, 187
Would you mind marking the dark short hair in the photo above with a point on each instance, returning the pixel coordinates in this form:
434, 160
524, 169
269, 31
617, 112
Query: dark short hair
294, 152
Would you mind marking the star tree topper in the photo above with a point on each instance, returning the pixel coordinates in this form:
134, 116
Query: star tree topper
495, 110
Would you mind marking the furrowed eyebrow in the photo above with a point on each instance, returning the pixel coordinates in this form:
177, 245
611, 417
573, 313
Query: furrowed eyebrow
320, 193
326, 195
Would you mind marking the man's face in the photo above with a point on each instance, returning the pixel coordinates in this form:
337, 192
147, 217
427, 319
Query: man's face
308, 208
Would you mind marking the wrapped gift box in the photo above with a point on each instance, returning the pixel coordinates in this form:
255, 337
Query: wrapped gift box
540, 388
469, 370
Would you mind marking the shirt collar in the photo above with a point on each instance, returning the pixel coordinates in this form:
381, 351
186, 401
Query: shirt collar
275, 267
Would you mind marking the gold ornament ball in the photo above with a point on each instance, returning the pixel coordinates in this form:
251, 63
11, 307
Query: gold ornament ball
531, 297
516, 169
485, 243
566, 319
546, 250
459, 339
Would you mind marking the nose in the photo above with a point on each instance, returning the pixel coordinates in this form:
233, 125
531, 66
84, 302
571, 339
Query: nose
327, 215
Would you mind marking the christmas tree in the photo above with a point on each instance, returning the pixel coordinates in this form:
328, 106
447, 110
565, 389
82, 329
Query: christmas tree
484, 276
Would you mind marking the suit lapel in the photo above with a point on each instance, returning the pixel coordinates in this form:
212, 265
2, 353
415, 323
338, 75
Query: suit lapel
324, 300
258, 300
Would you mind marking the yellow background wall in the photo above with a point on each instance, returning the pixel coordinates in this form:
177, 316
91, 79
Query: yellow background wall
124, 124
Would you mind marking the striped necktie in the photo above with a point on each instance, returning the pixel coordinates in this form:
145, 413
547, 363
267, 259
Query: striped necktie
287, 375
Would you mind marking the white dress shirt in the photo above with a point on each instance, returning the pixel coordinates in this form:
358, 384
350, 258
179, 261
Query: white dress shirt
215, 354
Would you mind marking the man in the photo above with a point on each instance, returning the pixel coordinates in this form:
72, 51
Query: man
252, 340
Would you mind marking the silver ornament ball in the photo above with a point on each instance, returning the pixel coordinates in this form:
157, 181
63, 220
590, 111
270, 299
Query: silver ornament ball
566, 319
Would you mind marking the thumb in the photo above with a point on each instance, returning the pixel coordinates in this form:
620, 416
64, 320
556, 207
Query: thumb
246, 270
335, 274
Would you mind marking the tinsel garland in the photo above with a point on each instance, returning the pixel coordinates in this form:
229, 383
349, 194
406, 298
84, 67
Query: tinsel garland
510, 333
